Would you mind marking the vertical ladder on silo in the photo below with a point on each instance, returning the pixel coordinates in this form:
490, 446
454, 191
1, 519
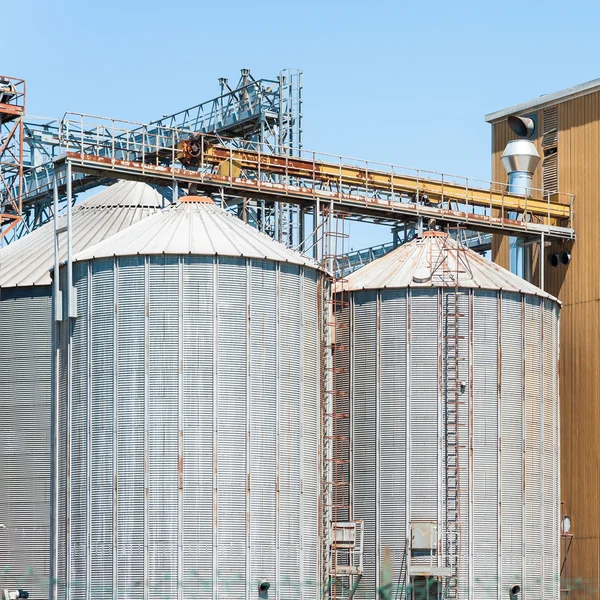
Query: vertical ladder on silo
453, 342
343, 553
452, 338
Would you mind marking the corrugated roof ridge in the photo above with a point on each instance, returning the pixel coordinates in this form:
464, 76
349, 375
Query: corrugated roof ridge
258, 236
284, 250
479, 272
220, 223
28, 261
236, 234
379, 266
172, 221
203, 215
227, 226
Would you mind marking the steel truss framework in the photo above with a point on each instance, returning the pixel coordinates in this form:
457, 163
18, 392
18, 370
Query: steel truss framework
104, 149
266, 111
12, 111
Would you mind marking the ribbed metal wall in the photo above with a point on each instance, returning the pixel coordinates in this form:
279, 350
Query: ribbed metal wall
25, 358
508, 429
194, 428
25, 385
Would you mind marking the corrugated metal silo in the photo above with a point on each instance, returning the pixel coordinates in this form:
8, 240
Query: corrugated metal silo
455, 424
190, 425
25, 385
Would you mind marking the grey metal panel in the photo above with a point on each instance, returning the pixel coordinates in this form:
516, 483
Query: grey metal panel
163, 437
364, 439
555, 311
466, 426
482, 576
533, 588
392, 426
79, 439
485, 444
102, 375
551, 507
63, 433
290, 482
512, 440
231, 361
423, 425
311, 434
263, 426
341, 406
25, 356
130, 432
198, 386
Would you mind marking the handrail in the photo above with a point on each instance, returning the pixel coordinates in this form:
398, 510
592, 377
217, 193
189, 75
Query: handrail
372, 177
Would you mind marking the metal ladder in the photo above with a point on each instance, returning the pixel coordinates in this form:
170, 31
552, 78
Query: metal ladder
452, 337
452, 324
342, 560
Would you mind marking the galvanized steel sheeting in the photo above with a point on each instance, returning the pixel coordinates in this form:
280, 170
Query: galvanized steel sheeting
510, 370
25, 356
210, 424
25, 388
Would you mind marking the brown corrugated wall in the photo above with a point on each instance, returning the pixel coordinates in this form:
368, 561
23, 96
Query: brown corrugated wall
578, 287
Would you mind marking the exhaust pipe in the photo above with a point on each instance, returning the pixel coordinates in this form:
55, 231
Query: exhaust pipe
514, 591
524, 127
520, 159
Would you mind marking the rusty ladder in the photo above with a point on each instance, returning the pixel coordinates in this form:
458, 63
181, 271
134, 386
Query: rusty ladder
343, 561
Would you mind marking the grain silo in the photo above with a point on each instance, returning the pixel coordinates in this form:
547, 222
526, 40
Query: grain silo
25, 385
189, 426
455, 425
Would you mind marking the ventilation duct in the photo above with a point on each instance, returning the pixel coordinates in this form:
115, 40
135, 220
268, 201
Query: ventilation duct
520, 159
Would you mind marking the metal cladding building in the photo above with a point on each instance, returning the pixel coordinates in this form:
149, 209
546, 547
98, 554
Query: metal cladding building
455, 424
189, 424
25, 385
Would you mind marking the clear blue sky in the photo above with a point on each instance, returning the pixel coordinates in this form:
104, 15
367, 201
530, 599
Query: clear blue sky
400, 82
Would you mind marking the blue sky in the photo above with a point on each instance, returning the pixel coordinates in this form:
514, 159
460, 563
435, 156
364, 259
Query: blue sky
400, 82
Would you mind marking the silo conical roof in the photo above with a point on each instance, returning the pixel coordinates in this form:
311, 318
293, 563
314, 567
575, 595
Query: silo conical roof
27, 262
437, 260
194, 226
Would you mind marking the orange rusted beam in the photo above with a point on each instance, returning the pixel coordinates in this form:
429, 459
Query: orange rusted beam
14, 220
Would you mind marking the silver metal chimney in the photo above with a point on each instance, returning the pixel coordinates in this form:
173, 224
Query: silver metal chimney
520, 157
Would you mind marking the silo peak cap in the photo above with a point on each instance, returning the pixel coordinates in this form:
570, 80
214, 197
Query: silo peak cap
199, 227
437, 260
197, 199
